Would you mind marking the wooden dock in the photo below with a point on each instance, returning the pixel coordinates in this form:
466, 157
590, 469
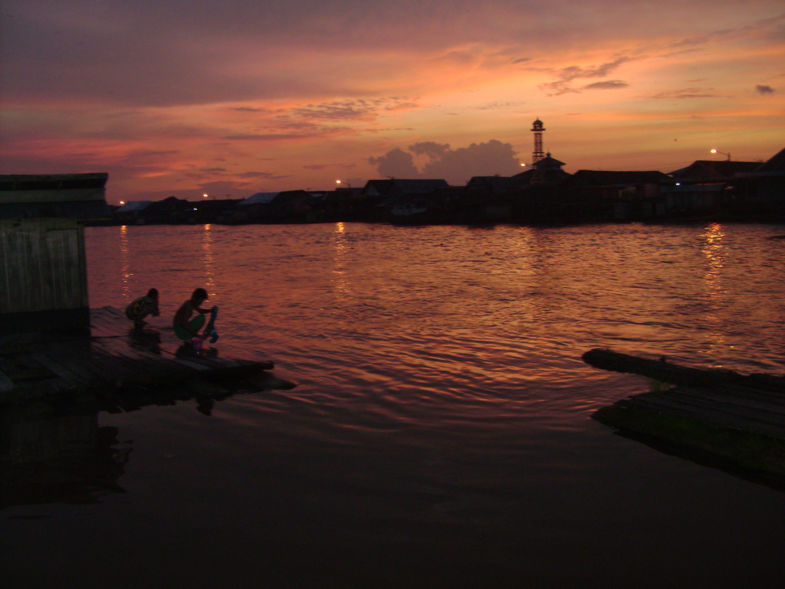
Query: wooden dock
114, 367
718, 417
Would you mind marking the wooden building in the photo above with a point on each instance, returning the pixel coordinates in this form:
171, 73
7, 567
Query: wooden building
43, 274
395, 188
760, 194
702, 186
77, 196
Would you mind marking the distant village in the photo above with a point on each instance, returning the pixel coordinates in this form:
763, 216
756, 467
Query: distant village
722, 190
544, 194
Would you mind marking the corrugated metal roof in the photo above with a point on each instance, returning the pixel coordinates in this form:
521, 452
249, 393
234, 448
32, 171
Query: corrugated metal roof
259, 198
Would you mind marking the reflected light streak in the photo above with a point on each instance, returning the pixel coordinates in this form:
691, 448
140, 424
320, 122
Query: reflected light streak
340, 281
714, 251
208, 260
527, 276
125, 260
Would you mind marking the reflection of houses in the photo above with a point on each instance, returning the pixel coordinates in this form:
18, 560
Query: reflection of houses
42, 253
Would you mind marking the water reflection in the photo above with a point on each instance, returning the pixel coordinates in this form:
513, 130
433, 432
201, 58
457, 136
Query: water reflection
341, 250
714, 251
424, 403
47, 458
530, 274
208, 260
474, 299
125, 263
56, 452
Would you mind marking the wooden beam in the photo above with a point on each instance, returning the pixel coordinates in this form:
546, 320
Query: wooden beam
665, 371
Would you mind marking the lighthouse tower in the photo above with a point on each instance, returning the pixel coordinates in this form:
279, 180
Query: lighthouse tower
538, 153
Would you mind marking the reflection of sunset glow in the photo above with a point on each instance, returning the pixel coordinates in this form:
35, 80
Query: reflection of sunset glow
714, 251
340, 281
125, 260
527, 276
208, 259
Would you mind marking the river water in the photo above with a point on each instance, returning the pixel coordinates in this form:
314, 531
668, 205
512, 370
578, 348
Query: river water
440, 433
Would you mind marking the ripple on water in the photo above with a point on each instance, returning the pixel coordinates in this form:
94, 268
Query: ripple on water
385, 328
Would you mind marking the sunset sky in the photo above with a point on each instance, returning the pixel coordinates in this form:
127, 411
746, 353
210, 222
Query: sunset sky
241, 96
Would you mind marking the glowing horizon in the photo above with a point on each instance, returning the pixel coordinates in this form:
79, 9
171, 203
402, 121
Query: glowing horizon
241, 98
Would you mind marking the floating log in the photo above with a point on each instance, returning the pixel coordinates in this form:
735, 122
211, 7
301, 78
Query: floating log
665, 371
716, 417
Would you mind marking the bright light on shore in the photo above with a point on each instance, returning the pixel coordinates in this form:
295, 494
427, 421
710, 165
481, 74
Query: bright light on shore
715, 150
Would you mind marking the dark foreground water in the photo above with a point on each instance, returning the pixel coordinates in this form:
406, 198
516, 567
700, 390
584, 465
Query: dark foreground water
440, 432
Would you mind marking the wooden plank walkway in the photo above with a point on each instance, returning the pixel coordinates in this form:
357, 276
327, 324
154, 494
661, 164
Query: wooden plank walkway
732, 420
114, 362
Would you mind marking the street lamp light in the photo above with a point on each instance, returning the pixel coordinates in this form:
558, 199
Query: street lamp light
715, 150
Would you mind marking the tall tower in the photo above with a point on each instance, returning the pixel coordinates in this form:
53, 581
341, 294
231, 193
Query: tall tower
538, 153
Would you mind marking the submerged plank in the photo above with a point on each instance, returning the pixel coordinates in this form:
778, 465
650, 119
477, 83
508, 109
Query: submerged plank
116, 360
752, 455
736, 421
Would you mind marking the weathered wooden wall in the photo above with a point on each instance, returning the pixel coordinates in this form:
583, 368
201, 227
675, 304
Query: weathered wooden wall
43, 274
